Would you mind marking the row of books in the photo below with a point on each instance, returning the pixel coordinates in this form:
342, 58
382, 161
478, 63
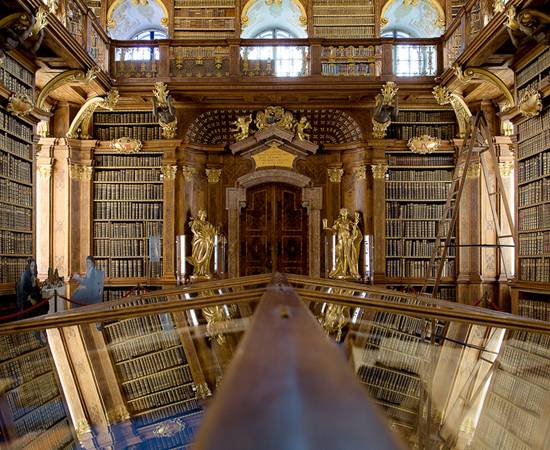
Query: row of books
173, 410
13, 345
14, 217
412, 229
534, 269
344, 31
11, 268
130, 247
395, 341
533, 84
425, 116
126, 175
15, 243
25, 367
347, 52
423, 161
322, 5
143, 133
41, 418
15, 147
342, 21
414, 211
511, 415
150, 364
204, 3
224, 23
392, 379
58, 436
27, 397
348, 69
534, 243
14, 126
12, 66
127, 230
496, 435
406, 132
534, 217
423, 175
124, 268
538, 65
185, 34
128, 161
362, 14
13, 192
532, 368
148, 343
164, 379
437, 190
135, 117
122, 330
535, 343
532, 193
534, 145
166, 397
415, 269
13, 167
127, 211
205, 12
396, 358
142, 191
535, 309
534, 167
13, 84
413, 248
534, 125
405, 324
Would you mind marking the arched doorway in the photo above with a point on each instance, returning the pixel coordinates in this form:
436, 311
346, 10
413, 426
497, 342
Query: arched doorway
274, 231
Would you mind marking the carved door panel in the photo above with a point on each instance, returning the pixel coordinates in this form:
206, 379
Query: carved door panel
274, 231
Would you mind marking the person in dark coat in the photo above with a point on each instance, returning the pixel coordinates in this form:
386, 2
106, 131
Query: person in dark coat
28, 290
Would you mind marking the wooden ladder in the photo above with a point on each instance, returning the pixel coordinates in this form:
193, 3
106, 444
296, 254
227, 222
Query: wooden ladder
480, 141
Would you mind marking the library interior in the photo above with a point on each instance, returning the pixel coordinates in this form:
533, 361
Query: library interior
275, 224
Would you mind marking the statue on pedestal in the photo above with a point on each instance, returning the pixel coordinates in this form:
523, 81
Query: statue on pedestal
348, 238
202, 246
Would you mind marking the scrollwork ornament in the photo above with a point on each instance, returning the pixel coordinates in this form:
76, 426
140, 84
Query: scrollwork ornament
169, 172
45, 171
379, 129
82, 427
379, 171
505, 168
119, 414
213, 175
216, 323
168, 428
20, 104
86, 173
423, 144
335, 318
202, 390
360, 172
126, 145
188, 173
335, 174
530, 104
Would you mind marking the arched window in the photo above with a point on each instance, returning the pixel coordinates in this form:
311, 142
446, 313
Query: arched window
141, 53
149, 35
412, 60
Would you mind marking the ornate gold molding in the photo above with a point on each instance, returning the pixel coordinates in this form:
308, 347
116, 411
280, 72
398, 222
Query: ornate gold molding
423, 144
188, 173
335, 318
64, 78
45, 171
168, 428
118, 414
20, 104
506, 127
80, 172
479, 73
379, 171
202, 390
169, 172
360, 173
81, 428
335, 174
242, 125
80, 125
463, 115
126, 145
379, 129
213, 175
216, 323
530, 104
505, 168
474, 170
385, 108
273, 156
43, 128
164, 111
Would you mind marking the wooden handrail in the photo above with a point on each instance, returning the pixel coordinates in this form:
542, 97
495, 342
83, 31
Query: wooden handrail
289, 387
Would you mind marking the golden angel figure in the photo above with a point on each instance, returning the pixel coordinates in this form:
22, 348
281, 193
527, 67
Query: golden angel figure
348, 239
301, 126
202, 246
241, 127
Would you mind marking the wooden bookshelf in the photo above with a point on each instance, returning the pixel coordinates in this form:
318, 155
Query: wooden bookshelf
416, 189
32, 397
414, 123
210, 19
127, 213
16, 177
152, 369
135, 124
536, 74
344, 19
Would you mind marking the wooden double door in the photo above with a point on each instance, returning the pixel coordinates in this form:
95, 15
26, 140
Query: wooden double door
274, 231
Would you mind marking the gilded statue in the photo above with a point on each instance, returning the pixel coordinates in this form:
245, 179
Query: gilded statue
164, 111
301, 126
348, 239
241, 127
202, 246
385, 109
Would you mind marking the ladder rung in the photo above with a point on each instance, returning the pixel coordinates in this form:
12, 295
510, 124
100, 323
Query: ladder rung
504, 236
491, 194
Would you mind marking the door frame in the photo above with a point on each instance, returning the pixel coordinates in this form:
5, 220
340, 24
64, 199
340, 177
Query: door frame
312, 200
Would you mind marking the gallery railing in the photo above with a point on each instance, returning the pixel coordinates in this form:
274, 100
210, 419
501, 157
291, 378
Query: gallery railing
144, 368
265, 59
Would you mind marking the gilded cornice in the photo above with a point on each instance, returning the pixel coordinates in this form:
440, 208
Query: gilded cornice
80, 125
463, 115
64, 78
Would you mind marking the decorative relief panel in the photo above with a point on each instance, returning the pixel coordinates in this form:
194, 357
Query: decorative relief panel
199, 62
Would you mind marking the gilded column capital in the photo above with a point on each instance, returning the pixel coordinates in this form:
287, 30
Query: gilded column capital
202, 390
81, 428
335, 174
360, 173
213, 175
169, 172
188, 173
505, 168
45, 171
118, 414
473, 170
80, 172
379, 171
